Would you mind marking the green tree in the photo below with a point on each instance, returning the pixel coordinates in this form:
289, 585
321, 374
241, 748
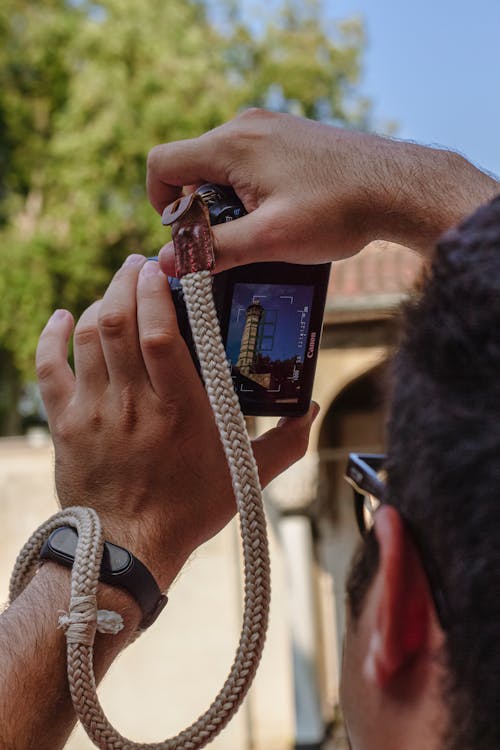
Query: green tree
302, 63
34, 42
86, 89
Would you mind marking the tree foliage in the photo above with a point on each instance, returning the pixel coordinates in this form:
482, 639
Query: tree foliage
86, 89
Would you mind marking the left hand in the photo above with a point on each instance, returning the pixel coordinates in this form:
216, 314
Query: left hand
133, 430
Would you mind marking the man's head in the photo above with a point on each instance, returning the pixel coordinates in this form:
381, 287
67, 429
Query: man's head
433, 672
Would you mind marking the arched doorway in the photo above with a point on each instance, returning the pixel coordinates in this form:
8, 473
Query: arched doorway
354, 422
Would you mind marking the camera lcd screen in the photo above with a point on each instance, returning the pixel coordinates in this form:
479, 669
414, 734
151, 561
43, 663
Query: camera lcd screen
267, 340
271, 316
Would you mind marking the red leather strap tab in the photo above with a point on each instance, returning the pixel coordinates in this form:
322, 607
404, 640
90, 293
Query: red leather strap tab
191, 235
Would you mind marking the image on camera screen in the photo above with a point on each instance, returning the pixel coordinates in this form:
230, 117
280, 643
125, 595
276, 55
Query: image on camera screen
267, 339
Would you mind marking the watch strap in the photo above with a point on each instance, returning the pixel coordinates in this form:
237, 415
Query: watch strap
119, 567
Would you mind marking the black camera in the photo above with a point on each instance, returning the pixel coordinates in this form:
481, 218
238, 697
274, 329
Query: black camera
271, 315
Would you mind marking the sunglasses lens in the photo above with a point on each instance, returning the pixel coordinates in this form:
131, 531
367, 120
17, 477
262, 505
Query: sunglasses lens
360, 475
370, 505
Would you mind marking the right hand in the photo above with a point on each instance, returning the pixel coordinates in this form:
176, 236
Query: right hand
284, 170
315, 192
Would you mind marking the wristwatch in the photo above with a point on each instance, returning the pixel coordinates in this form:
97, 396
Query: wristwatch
119, 567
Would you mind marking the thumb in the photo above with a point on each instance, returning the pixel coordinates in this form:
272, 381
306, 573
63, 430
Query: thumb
236, 243
280, 447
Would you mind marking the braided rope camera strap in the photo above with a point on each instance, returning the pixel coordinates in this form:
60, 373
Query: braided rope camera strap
191, 236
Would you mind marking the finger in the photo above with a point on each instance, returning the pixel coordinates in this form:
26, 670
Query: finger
255, 237
117, 323
188, 162
164, 352
90, 366
166, 258
279, 448
55, 377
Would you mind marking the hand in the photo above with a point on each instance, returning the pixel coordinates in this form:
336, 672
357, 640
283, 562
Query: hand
133, 430
315, 192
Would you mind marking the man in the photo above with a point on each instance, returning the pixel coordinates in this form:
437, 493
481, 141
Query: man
422, 652
135, 438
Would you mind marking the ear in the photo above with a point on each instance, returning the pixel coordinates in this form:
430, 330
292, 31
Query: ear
403, 604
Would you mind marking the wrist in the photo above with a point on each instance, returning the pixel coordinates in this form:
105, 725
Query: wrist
118, 567
158, 551
55, 581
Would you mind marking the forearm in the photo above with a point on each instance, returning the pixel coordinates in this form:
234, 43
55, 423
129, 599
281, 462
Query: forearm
35, 704
424, 191
315, 192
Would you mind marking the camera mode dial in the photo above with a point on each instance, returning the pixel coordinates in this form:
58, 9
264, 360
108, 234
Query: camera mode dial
222, 202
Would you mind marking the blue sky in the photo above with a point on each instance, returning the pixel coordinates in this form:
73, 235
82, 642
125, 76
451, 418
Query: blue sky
434, 67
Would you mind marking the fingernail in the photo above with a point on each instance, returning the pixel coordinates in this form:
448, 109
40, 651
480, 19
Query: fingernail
151, 268
134, 260
167, 257
315, 410
167, 251
58, 315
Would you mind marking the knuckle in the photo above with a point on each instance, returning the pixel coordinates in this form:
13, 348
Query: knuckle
63, 430
252, 113
301, 443
96, 419
154, 157
122, 273
113, 323
257, 119
270, 233
85, 334
157, 344
242, 128
248, 131
45, 369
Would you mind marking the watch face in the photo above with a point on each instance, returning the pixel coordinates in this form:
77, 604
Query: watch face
116, 559
63, 542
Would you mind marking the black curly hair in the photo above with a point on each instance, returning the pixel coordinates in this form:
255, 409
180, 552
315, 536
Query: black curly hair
443, 467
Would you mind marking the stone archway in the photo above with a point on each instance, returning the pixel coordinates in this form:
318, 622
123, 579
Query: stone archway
354, 422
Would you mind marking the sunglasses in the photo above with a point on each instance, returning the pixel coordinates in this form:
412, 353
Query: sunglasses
366, 475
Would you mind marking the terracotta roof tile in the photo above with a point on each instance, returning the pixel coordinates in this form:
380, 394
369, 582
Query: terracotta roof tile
381, 271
